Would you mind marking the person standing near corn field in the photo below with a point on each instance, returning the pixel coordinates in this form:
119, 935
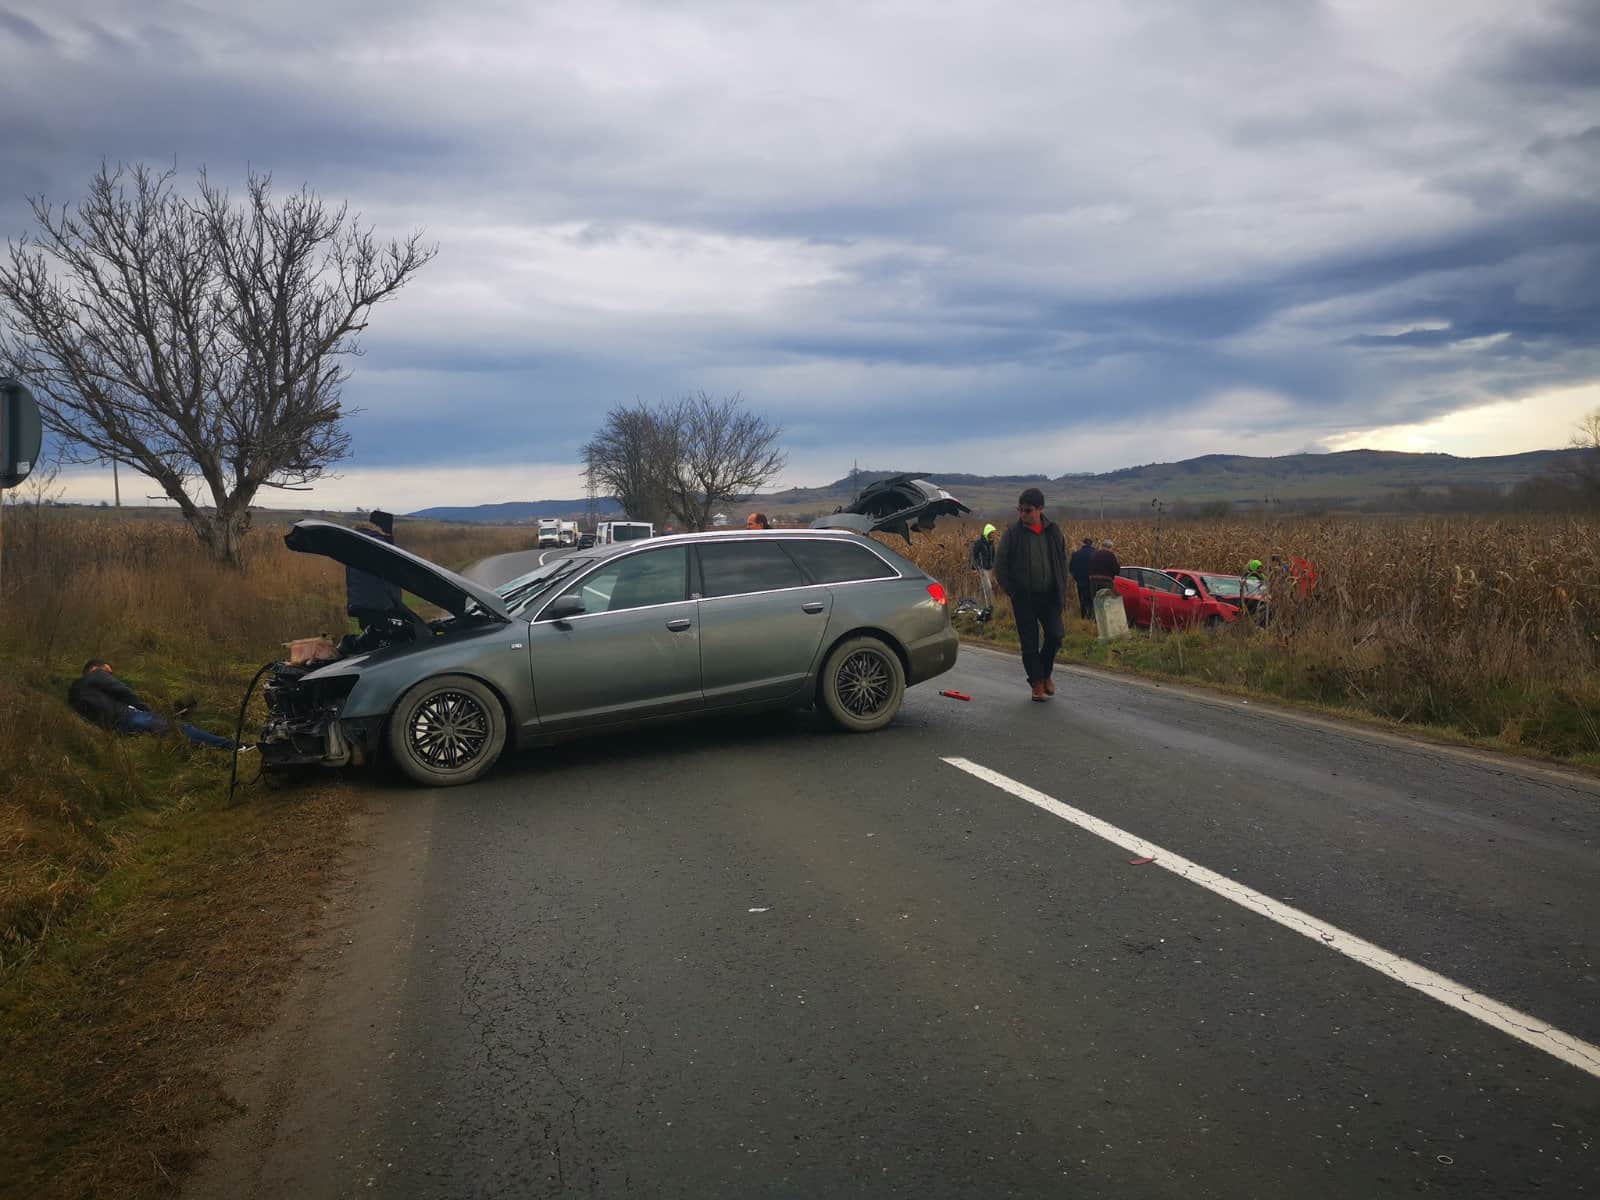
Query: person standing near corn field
981, 560
1031, 568
1078, 564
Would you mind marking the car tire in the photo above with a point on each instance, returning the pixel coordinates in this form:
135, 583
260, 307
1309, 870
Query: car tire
862, 684
446, 731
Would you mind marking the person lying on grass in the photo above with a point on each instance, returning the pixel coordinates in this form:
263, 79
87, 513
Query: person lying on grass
100, 697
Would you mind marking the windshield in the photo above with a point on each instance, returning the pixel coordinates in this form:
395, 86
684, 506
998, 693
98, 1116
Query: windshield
1228, 587
628, 533
524, 587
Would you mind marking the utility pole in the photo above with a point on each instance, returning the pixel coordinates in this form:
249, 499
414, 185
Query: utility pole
116, 484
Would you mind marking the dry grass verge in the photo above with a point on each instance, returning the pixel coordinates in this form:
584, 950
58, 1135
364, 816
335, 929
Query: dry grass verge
142, 920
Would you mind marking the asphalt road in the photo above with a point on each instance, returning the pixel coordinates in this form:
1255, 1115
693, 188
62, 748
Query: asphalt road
760, 958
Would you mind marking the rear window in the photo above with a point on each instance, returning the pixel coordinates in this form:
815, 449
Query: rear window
831, 561
734, 568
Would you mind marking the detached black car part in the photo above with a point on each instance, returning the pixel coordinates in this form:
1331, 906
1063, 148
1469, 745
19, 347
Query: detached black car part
898, 504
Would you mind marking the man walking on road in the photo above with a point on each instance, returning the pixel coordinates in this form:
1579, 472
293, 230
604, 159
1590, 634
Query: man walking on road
1078, 564
1031, 567
982, 561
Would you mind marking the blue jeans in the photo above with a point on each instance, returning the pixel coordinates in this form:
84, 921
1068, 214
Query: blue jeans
135, 720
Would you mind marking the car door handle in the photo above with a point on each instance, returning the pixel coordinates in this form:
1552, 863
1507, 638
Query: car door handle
813, 606
679, 624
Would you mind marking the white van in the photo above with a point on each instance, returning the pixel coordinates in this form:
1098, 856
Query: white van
629, 531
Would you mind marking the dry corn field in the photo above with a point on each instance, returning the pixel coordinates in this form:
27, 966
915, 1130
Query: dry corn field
1537, 579
1487, 625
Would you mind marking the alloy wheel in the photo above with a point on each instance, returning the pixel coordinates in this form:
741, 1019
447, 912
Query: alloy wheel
449, 729
864, 683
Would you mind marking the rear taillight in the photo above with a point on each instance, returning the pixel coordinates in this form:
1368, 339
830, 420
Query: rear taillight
940, 596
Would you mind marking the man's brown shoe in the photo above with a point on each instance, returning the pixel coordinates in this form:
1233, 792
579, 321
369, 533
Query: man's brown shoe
1049, 687
1038, 690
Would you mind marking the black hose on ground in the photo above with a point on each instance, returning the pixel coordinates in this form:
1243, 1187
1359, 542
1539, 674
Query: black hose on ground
238, 729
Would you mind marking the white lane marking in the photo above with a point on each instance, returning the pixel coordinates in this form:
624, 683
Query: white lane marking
542, 557
1569, 1049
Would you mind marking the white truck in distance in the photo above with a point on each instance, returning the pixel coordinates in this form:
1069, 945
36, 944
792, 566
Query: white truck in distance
569, 533
549, 533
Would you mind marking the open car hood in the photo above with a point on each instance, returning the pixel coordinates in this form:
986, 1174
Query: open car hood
390, 563
898, 504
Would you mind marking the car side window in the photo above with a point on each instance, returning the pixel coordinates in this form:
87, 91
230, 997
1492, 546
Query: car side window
835, 561
635, 581
734, 568
1157, 582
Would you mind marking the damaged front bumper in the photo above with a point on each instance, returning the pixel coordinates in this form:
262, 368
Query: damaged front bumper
304, 725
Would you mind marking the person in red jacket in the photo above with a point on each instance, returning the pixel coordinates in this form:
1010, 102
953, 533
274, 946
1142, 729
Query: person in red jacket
1030, 566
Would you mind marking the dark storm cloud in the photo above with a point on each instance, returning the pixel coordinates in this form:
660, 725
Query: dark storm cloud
877, 224
25, 30
1561, 55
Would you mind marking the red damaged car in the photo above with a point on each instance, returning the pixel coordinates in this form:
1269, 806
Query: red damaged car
1152, 597
1235, 590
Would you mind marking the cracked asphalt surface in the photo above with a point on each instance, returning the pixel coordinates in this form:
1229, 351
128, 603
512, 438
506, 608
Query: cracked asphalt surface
756, 957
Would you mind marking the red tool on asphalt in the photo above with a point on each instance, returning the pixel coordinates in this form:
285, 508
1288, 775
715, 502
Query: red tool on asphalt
1139, 862
956, 695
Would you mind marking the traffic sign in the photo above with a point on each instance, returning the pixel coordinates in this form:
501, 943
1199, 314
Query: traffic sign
20, 433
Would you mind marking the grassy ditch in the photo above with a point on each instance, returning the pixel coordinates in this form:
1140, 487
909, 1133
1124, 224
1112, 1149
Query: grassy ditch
143, 920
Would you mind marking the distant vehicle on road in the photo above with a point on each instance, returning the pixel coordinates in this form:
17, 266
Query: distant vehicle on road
568, 533
549, 533
644, 630
585, 540
1250, 594
627, 531
1152, 597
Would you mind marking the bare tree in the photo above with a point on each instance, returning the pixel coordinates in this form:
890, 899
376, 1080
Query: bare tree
629, 459
684, 459
1587, 440
198, 341
724, 453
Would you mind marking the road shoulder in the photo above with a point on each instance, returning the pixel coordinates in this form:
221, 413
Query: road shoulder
1345, 721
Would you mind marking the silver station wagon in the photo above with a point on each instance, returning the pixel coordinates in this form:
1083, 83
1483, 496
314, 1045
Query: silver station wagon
605, 638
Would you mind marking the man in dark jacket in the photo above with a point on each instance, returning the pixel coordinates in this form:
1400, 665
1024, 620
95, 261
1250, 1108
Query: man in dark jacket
100, 697
1103, 568
1078, 564
1031, 567
372, 601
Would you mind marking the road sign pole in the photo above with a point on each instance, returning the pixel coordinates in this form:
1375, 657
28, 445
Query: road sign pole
20, 440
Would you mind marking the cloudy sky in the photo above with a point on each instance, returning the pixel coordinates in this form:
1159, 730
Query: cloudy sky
994, 237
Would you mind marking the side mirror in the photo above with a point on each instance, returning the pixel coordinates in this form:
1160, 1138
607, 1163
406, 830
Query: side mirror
563, 607
1190, 594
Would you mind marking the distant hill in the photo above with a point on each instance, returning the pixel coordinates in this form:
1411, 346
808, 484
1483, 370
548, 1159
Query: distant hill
1350, 478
